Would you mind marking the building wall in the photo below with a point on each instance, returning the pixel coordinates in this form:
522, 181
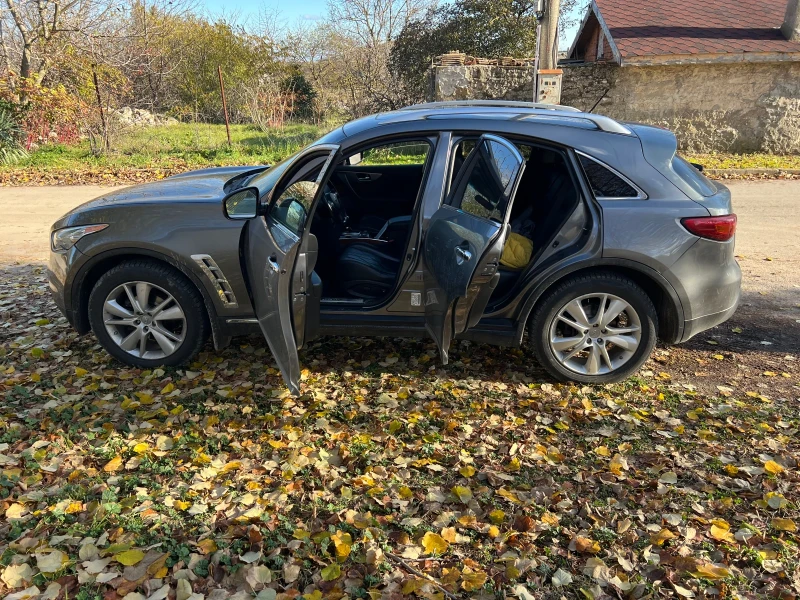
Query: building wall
739, 107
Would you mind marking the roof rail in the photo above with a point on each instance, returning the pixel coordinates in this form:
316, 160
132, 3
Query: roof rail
602, 122
489, 103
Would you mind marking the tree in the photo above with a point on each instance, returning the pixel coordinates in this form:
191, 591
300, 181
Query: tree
485, 28
40, 31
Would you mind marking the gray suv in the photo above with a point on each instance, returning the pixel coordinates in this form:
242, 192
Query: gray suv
500, 222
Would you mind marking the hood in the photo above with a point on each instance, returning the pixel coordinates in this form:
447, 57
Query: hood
205, 185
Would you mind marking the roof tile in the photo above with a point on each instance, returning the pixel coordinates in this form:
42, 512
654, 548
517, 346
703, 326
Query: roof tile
662, 27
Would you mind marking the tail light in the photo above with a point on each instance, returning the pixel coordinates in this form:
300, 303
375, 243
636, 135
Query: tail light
719, 229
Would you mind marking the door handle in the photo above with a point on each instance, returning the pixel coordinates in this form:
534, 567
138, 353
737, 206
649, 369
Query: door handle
364, 177
462, 255
273, 263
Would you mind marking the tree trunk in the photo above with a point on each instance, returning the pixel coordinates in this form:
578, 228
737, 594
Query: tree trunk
25, 63
548, 48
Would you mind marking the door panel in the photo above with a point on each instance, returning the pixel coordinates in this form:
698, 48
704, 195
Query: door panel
465, 239
382, 190
280, 255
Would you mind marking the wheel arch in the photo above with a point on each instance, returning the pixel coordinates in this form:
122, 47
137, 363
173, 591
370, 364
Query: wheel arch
661, 292
93, 269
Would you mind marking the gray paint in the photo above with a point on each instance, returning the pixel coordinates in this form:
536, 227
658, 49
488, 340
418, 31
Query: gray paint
182, 216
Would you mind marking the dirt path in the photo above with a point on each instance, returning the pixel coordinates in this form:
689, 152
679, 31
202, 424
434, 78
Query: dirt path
763, 336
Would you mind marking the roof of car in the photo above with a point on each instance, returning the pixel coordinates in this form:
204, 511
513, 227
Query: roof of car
492, 109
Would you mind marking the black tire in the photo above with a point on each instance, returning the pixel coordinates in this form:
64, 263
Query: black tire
171, 280
549, 307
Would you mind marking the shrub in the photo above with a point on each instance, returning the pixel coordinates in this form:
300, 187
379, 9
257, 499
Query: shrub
11, 133
45, 115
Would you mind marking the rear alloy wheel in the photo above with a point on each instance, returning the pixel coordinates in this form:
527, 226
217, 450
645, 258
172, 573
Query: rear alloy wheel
597, 328
146, 314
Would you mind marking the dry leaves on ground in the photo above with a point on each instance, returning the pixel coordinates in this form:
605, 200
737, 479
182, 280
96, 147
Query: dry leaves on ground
391, 477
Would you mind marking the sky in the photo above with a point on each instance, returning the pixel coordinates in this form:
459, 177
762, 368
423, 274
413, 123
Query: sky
292, 11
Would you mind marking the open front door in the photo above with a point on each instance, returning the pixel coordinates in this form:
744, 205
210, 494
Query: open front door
465, 239
280, 254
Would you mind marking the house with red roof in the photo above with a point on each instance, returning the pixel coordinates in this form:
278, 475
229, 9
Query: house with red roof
724, 74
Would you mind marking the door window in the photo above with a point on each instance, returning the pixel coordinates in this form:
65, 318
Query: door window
293, 205
398, 153
485, 187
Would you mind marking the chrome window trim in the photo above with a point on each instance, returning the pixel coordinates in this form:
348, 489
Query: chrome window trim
641, 193
217, 278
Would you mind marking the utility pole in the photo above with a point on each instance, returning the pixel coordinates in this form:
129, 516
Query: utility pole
548, 75
549, 44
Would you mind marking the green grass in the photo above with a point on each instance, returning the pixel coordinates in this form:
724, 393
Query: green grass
721, 160
177, 146
138, 152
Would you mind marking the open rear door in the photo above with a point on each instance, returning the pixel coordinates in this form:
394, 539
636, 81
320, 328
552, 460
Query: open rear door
280, 254
465, 239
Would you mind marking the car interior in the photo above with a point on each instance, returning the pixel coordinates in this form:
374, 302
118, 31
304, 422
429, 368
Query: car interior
364, 220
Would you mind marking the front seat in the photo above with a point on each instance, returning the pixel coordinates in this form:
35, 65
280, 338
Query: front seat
364, 271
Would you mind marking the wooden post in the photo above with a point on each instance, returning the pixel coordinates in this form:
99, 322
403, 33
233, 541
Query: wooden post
224, 104
100, 107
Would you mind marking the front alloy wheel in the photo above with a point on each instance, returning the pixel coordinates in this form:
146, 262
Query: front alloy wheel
144, 320
148, 314
594, 328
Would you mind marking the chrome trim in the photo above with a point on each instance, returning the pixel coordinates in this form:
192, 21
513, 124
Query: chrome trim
490, 104
217, 279
239, 321
642, 194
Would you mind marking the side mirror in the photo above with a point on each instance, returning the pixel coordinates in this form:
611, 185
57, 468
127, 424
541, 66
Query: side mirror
241, 204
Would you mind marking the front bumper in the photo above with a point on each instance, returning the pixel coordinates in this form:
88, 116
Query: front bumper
58, 270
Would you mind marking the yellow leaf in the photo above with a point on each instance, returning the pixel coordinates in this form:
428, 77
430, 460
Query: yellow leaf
74, 507
80, 372
709, 571
772, 467
449, 534
784, 524
113, 465
720, 530
497, 516
462, 493
170, 387
472, 580
494, 531
433, 543
513, 464
467, 471
141, 448
602, 451
662, 536
343, 542
207, 546
331, 572
181, 504
129, 557
587, 545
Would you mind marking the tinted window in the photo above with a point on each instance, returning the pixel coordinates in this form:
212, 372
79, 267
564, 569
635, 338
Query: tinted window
699, 182
604, 183
487, 187
294, 204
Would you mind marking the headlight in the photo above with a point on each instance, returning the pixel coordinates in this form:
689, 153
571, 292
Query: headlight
64, 239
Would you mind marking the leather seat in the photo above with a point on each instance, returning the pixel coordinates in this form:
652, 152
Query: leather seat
371, 224
364, 271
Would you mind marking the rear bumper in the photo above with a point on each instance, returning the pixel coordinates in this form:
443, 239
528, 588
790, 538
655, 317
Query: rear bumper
708, 281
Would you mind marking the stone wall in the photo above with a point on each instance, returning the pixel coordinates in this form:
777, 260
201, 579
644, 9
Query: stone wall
739, 107
482, 82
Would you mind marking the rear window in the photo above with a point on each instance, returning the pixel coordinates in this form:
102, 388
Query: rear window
604, 182
698, 182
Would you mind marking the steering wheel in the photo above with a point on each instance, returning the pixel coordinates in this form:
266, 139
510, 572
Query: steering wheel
330, 198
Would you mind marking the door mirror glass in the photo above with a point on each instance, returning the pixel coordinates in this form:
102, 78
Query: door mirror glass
241, 204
